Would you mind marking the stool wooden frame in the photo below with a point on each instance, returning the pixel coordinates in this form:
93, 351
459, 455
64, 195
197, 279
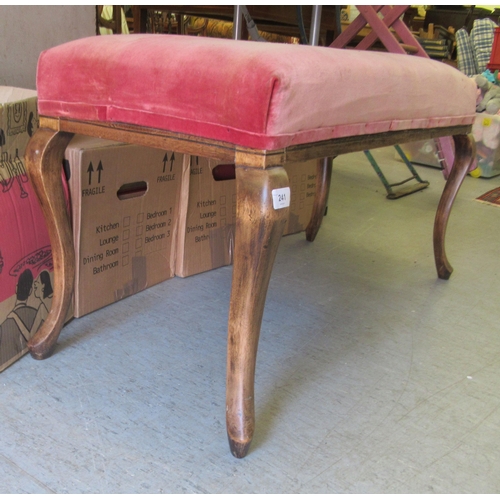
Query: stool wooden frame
259, 228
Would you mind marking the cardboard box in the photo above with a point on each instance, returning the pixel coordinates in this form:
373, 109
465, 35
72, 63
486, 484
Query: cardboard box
25, 253
207, 213
124, 202
302, 178
207, 216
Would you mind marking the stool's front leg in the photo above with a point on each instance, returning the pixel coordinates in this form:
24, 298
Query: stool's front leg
323, 179
465, 151
44, 157
259, 227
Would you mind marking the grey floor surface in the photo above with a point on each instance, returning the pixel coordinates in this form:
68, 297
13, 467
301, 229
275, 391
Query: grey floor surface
373, 376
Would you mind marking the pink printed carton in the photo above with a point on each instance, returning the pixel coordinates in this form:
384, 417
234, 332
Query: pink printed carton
26, 268
24, 245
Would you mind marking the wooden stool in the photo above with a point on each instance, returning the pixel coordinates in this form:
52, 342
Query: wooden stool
258, 106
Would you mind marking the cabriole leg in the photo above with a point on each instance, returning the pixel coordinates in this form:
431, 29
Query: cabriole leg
259, 227
465, 151
44, 157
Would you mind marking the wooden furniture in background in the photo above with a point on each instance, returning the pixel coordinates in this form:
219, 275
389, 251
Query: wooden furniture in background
277, 19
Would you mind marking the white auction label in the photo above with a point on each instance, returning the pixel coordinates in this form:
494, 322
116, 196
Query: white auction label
281, 198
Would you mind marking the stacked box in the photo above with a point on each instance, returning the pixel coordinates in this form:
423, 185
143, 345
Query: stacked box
302, 178
26, 268
124, 204
207, 215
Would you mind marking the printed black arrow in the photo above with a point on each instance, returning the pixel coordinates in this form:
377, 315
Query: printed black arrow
99, 169
90, 170
165, 159
172, 158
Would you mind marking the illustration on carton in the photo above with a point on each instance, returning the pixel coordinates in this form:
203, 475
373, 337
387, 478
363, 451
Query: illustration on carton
28, 309
26, 268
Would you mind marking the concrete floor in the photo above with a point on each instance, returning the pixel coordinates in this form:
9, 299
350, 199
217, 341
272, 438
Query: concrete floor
373, 376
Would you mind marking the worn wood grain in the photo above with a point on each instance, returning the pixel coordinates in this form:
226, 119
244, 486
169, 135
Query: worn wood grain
194, 145
44, 157
259, 228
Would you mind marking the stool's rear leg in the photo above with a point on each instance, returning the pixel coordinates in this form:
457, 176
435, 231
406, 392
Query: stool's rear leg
259, 227
323, 179
44, 156
465, 151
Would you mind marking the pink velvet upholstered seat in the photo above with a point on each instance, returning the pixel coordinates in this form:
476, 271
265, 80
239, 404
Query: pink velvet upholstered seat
257, 95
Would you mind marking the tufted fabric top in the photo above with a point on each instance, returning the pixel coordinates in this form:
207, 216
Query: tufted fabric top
258, 95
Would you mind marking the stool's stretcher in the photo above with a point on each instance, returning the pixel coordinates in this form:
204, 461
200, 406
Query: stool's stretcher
272, 132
